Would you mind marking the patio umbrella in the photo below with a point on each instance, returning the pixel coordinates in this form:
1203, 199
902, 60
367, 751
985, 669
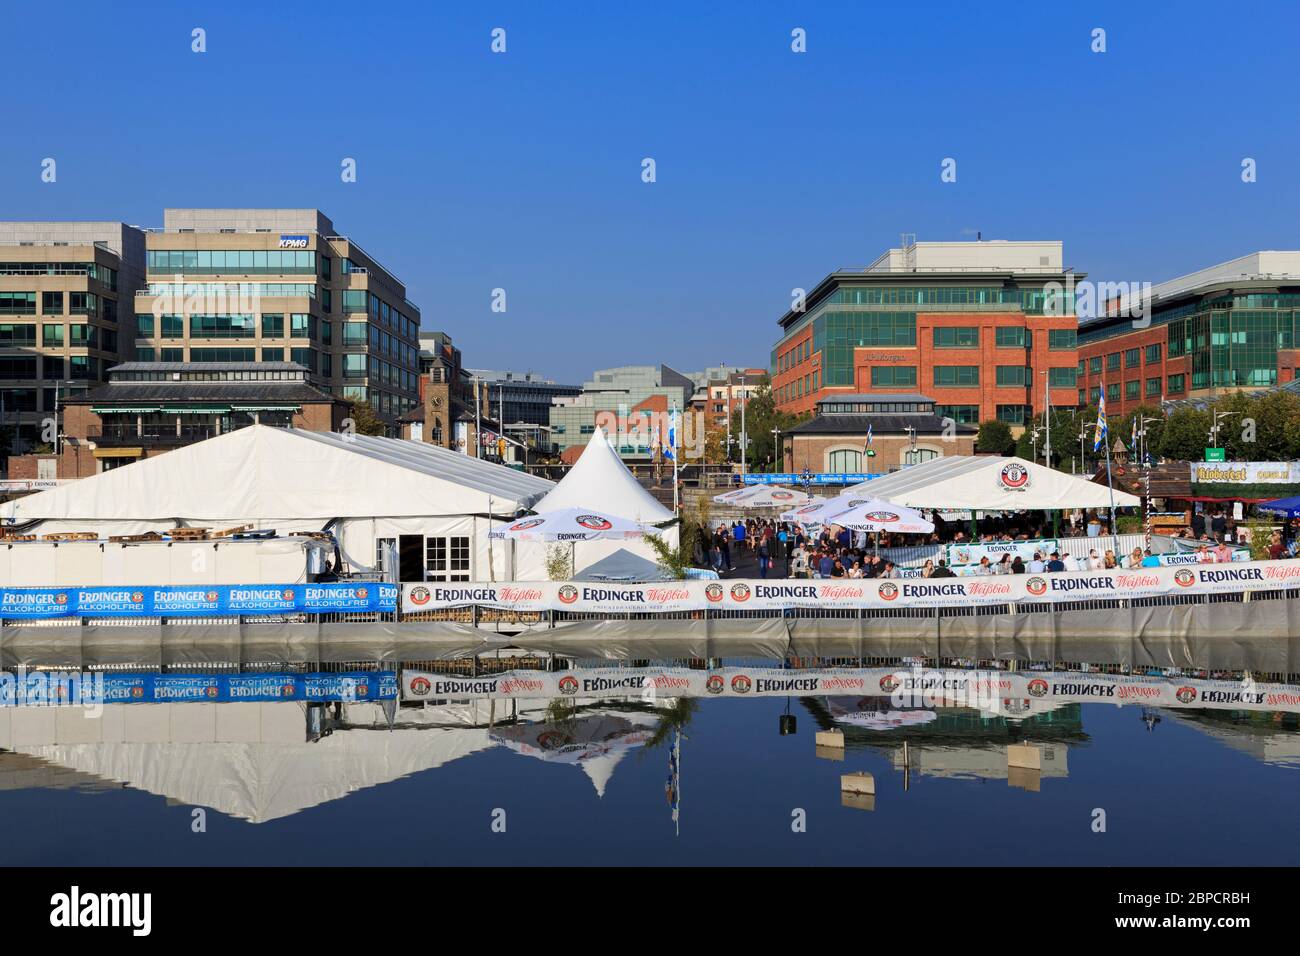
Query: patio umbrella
761, 496
876, 514
1286, 507
569, 524
818, 510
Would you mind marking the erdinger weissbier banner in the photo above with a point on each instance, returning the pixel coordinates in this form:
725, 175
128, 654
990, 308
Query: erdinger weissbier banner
1003, 691
203, 600
848, 593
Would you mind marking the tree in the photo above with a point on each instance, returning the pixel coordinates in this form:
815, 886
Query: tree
1185, 434
366, 421
761, 416
995, 438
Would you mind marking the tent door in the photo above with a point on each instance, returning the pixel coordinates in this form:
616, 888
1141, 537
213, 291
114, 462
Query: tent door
410, 557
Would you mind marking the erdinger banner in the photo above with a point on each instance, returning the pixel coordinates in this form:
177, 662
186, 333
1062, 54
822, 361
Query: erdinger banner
990, 690
199, 600
72, 687
852, 593
971, 552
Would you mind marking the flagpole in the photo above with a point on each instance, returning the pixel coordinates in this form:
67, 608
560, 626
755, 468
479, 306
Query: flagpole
1110, 484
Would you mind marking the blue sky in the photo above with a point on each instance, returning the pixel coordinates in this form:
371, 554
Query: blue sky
523, 170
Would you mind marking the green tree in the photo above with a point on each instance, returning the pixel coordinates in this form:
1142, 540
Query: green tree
1185, 434
366, 421
995, 438
761, 416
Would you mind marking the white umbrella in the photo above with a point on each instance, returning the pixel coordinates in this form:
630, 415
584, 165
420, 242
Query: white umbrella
876, 514
818, 510
569, 524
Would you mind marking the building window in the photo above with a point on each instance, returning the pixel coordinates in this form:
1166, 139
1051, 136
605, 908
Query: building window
82, 303
1153, 386
1062, 340
914, 456
893, 376
1177, 384
1062, 377
14, 335
272, 355
1094, 365
173, 355
354, 365
1011, 337
354, 333
955, 376
222, 355
957, 337
1013, 414
1112, 361
1112, 392
272, 325
446, 558
144, 354
1132, 358
52, 303
845, 460
1094, 395
1153, 353
173, 327
17, 303
1132, 389
960, 414
1014, 376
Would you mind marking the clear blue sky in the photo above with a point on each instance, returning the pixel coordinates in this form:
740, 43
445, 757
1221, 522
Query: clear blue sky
523, 170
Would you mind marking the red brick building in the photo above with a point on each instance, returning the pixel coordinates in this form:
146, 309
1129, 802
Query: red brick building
985, 328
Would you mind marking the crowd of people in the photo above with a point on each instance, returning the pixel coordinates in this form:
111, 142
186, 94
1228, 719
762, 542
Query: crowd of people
791, 550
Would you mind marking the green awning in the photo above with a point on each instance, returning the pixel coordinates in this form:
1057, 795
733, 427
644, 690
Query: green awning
267, 408
125, 409
199, 410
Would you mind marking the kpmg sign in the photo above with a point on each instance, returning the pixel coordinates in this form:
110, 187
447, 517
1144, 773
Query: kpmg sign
293, 242
820, 478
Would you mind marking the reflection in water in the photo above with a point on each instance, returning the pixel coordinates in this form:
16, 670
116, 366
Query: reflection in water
263, 762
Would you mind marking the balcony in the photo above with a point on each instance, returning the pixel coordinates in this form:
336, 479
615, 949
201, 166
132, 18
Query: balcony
151, 436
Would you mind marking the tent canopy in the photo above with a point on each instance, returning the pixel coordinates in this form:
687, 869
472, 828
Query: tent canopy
601, 481
261, 473
989, 483
625, 567
1287, 507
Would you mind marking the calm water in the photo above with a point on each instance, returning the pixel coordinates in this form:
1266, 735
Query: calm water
1196, 787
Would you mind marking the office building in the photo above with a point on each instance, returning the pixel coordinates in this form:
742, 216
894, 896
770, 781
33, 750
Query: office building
1225, 328
873, 434
984, 327
632, 402
278, 285
66, 316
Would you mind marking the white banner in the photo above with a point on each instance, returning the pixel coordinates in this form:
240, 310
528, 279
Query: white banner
971, 552
988, 690
852, 593
1246, 472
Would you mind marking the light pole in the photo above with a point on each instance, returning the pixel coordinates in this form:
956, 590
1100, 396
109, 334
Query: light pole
1083, 435
1047, 419
744, 438
911, 444
1142, 436
1214, 429
776, 449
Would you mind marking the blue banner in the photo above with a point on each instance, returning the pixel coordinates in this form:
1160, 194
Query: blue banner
72, 687
197, 601
820, 478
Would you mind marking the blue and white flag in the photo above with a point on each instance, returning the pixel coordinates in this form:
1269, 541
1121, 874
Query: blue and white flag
671, 451
869, 434
1099, 436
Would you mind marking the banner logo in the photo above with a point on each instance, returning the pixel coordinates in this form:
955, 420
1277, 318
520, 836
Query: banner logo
568, 594
884, 517
420, 595
713, 592
1038, 687
525, 525
1184, 578
782, 495
1185, 695
1036, 586
888, 590
568, 685
1014, 477
715, 684
137, 597
740, 592
741, 684
594, 522
889, 683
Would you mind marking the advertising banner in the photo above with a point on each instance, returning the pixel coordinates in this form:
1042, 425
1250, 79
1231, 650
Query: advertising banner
853, 593
197, 601
55, 687
971, 552
1003, 692
1246, 472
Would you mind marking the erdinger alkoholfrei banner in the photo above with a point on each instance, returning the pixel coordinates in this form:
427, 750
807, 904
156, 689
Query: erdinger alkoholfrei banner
1002, 691
849, 593
196, 601
73, 688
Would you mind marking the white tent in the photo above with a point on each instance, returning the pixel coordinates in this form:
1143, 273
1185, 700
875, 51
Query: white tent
623, 566
989, 483
292, 480
600, 481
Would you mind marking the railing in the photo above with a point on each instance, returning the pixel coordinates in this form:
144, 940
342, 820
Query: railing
117, 436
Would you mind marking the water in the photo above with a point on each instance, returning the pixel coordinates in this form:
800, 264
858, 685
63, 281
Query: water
1195, 787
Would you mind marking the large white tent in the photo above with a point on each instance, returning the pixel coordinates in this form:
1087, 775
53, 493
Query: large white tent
372, 489
989, 483
600, 481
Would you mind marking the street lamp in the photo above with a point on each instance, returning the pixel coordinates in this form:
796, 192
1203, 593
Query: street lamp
1214, 429
1142, 437
1047, 418
776, 447
1083, 435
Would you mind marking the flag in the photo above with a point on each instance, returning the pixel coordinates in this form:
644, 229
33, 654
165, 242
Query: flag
671, 451
1100, 435
1133, 435
868, 433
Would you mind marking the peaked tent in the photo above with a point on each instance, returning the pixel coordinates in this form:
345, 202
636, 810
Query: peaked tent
602, 482
625, 567
990, 483
293, 480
